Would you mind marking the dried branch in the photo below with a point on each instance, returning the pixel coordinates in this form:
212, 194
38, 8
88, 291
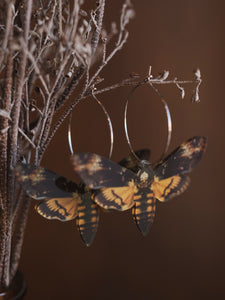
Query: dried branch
4, 139
97, 20
19, 238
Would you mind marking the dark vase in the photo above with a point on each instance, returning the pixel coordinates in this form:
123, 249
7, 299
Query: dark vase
16, 290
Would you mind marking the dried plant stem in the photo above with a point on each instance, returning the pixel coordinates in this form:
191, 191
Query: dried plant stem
19, 88
98, 25
8, 31
3, 173
71, 87
13, 146
60, 17
19, 238
74, 20
45, 129
3, 142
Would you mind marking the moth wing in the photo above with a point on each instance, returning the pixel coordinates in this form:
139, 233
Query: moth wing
116, 198
66, 185
98, 172
168, 188
130, 162
62, 209
183, 159
40, 183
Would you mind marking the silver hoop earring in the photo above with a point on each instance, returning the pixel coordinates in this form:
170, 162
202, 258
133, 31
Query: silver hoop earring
108, 121
168, 116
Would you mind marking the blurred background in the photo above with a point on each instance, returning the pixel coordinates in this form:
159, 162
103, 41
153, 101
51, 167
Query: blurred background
183, 257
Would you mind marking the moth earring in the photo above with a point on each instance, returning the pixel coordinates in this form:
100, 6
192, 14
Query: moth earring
166, 179
60, 198
120, 188
88, 215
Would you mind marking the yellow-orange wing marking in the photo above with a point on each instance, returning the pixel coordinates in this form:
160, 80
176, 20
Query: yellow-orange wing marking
119, 198
63, 209
168, 188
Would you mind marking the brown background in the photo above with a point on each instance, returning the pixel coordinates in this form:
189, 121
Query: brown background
183, 257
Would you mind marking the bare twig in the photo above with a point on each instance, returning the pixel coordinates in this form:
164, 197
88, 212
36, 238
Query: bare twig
27, 138
99, 13
8, 29
4, 141
14, 135
16, 108
19, 238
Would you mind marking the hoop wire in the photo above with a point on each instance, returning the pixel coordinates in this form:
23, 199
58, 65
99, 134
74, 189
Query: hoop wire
109, 124
169, 121
125, 118
168, 116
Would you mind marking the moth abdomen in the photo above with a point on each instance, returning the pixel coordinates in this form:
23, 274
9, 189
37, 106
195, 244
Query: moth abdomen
144, 212
87, 220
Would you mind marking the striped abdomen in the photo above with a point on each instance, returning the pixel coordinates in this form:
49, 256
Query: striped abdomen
144, 210
87, 219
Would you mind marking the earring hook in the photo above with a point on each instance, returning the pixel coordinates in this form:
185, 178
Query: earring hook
167, 111
109, 124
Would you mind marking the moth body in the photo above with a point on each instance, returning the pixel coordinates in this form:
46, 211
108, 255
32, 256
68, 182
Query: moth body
144, 208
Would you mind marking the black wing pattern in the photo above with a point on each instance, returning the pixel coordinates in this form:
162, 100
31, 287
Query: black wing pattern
62, 209
183, 159
40, 183
116, 198
98, 172
168, 188
170, 179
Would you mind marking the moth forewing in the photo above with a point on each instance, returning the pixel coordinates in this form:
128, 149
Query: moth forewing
98, 172
183, 159
40, 183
